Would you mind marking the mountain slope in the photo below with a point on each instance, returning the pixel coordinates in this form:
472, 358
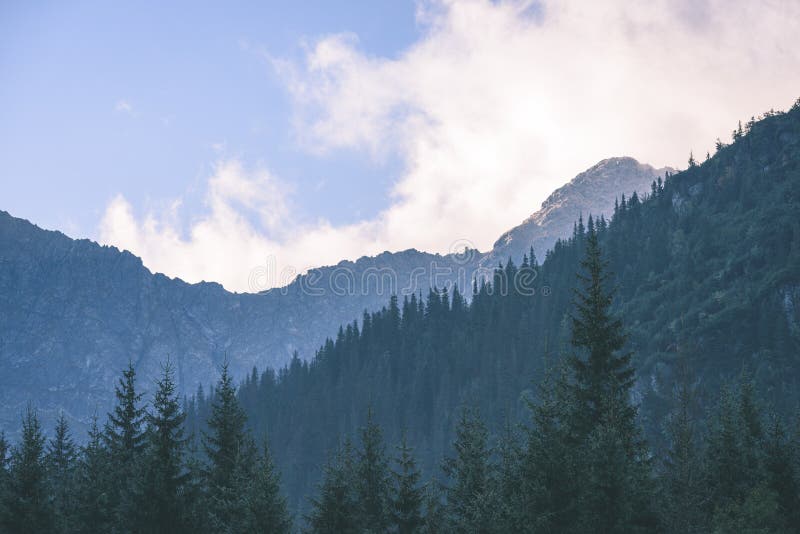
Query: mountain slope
72, 313
708, 276
592, 191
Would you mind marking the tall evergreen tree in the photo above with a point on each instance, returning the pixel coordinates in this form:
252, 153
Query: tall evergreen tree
469, 490
549, 477
28, 507
94, 485
409, 494
125, 428
61, 463
125, 440
230, 454
266, 506
373, 482
782, 476
602, 370
685, 492
164, 471
613, 464
335, 509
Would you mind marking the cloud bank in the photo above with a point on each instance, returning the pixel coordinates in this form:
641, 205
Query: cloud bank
494, 106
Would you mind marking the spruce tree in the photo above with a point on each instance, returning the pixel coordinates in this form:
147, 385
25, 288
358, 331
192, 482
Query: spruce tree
469, 472
549, 478
613, 465
684, 489
725, 462
409, 495
602, 370
373, 480
125, 435
61, 463
28, 507
125, 441
335, 509
782, 477
266, 506
164, 469
93, 511
230, 455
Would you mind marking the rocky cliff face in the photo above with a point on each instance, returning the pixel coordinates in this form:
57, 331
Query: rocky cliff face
73, 313
591, 192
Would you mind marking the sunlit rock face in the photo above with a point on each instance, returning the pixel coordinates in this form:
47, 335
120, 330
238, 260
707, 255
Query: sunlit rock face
592, 192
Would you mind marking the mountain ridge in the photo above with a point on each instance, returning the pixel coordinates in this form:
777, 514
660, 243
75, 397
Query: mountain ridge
91, 308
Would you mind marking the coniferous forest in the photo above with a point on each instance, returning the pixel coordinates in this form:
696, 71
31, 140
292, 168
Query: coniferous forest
641, 378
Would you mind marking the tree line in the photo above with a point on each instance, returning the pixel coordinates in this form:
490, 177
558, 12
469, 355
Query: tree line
581, 464
140, 472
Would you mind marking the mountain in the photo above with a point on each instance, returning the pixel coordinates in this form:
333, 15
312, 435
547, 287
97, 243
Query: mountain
73, 313
706, 269
592, 191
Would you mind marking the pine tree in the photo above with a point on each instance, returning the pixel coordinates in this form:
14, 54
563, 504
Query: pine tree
28, 507
725, 460
469, 495
510, 502
94, 484
373, 481
335, 509
409, 495
782, 476
266, 506
164, 470
614, 471
125, 435
603, 375
549, 479
685, 491
61, 459
230, 454
125, 441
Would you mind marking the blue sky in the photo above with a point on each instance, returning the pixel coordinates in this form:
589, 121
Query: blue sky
98, 100
212, 139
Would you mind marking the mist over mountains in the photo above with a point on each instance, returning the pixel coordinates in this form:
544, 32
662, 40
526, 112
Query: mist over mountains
74, 313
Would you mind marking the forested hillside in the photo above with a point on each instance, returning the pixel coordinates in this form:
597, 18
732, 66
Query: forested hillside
72, 312
580, 462
707, 268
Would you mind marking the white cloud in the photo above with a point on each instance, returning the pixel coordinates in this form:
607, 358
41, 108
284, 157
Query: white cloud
494, 106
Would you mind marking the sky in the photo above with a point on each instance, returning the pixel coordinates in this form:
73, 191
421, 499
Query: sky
213, 139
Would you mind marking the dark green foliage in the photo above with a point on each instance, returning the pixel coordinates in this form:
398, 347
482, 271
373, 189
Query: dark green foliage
28, 507
95, 478
61, 464
712, 255
372, 479
602, 372
125, 441
470, 496
335, 509
685, 493
164, 474
231, 457
409, 495
265, 504
781, 475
